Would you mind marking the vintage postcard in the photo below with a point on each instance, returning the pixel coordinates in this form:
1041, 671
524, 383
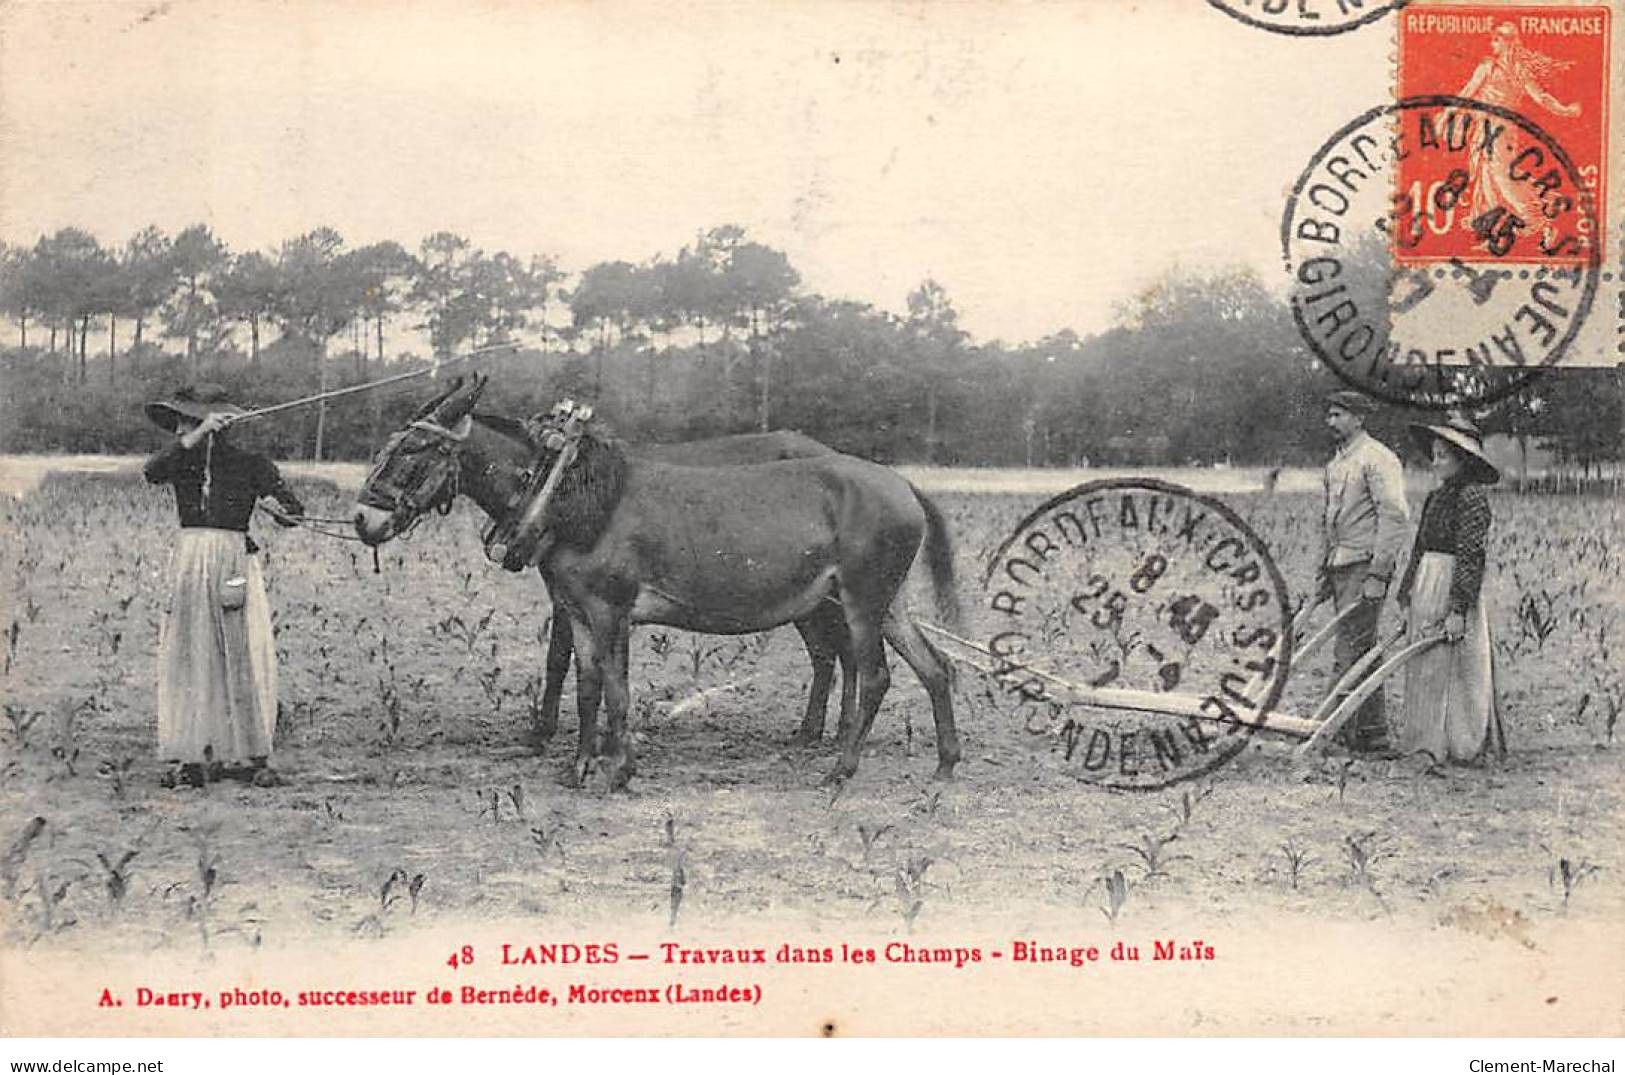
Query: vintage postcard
609, 518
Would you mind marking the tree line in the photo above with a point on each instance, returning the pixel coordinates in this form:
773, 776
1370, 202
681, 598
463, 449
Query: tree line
719, 337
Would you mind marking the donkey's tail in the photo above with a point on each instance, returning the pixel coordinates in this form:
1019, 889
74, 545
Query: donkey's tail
939, 559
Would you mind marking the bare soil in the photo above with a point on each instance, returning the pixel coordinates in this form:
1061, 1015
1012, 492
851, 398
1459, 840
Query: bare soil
405, 705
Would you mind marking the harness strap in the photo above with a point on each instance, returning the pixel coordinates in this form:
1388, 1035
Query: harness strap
517, 544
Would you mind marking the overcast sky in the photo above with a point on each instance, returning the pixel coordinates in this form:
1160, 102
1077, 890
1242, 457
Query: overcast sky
1042, 161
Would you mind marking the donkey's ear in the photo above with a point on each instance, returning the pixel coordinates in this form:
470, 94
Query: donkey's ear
460, 401
430, 407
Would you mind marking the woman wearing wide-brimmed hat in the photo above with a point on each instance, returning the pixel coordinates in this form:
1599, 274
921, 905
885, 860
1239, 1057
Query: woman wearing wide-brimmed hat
216, 657
1450, 711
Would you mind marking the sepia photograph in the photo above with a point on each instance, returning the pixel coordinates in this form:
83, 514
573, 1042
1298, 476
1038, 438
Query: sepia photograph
596, 518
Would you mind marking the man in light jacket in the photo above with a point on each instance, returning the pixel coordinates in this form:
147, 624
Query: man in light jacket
1362, 529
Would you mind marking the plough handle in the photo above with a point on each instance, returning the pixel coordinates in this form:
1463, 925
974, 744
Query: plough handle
1351, 704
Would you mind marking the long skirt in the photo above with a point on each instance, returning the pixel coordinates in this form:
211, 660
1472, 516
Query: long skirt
216, 664
1450, 709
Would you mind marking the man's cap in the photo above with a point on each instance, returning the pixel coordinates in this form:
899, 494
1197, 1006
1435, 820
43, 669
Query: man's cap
1353, 402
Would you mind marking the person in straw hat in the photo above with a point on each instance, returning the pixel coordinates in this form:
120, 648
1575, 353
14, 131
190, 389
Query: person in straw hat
216, 658
1449, 711
1362, 532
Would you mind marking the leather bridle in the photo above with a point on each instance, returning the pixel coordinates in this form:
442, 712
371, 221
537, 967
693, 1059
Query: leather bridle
430, 485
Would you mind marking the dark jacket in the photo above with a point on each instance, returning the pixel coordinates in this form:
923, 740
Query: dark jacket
1455, 520
237, 479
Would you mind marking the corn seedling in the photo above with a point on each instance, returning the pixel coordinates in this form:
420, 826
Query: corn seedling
12, 634
68, 760
870, 835
488, 684
389, 699
1343, 771
206, 880
1297, 860
11, 865
1152, 852
118, 774
1185, 808
19, 722
1537, 618
1570, 874
108, 637
454, 626
532, 691
679, 883
1431, 886
116, 875
65, 734
698, 654
545, 838
929, 802
490, 801
399, 884
51, 893
1363, 852
1116, 895
911, 889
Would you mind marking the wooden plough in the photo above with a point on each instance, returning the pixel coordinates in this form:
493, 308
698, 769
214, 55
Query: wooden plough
1362, 679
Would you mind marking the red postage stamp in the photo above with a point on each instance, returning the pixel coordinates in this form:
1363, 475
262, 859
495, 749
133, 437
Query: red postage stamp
1508, 161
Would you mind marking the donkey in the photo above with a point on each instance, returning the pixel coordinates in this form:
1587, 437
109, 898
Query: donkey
719, 550
824, 633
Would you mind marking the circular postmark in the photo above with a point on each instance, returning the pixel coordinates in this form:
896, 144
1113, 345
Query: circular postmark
1440, 252
1143, 626
1306, 18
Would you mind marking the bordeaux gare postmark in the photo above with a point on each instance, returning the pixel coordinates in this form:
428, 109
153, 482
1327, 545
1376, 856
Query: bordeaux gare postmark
1507, 294
1143, 626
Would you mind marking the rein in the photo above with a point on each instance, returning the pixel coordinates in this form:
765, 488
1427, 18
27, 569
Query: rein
315, 524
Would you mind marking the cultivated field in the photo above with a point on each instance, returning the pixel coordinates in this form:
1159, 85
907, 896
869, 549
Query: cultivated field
411, 802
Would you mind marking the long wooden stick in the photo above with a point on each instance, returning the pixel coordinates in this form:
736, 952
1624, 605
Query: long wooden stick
322, 397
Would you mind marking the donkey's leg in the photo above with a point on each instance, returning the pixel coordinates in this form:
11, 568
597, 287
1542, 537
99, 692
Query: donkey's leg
824, 634
560, 643
869, 653
937, 676
590, 671
617, 699
849, 682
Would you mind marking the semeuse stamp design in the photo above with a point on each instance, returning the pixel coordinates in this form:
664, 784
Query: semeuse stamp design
1492, 191
1460, 337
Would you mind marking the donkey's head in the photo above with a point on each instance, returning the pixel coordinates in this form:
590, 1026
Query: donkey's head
417, 468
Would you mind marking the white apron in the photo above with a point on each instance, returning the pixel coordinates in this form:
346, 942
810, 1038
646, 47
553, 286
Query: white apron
216, 665
1449, 706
